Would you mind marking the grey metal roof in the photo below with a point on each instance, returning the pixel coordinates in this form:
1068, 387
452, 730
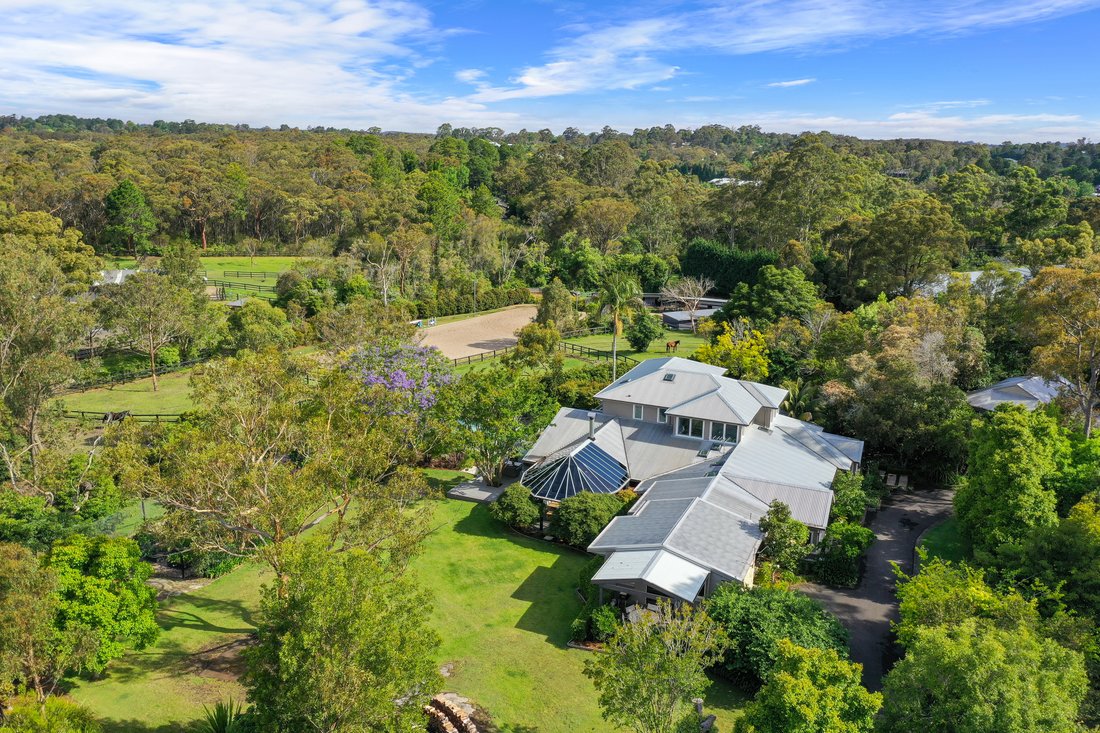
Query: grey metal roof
653, 448
114, 277
717, 539
645, 527
808, 505
567, 427
673, 575
719, 406
1027, 391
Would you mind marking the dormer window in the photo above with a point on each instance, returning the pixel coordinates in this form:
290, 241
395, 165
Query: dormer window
639, 412
670, 377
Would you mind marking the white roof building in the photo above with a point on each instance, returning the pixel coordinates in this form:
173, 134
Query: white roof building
708, 455
1031, 392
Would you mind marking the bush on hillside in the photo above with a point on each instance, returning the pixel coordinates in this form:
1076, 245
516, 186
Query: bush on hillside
515, 507
580, 518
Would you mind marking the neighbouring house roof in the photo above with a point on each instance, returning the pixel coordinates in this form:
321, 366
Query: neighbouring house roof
685, 316
673, 575
113, 277
1027, 391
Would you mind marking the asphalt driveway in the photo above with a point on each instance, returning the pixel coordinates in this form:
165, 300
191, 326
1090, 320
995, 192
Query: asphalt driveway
869, 609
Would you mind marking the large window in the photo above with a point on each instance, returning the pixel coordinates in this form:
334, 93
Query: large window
690, 427
723, 432
639, 412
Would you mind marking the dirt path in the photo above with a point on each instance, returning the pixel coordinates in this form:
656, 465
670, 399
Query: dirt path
480, 333
868, 609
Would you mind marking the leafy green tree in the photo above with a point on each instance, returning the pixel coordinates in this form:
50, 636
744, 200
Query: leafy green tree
756, 619
257, 325
515, 507
1003, 497
149, 312
1062, 310
500, 413
346, 646
811, 691
1034, 203
580, 518
297, 454
130, 221
537, 349
984, 679
850, 499
35, 652
742, 351
776, 293
643, 330
556, 306
911, 243
653, 668
102, 591
785, 540
180, 263
620, 297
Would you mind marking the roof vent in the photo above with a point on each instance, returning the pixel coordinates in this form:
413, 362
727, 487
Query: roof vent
670, 377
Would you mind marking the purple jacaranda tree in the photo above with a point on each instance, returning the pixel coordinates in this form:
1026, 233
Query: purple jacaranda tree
412, 376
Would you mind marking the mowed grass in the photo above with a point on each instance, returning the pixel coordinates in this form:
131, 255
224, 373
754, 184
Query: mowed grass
216, 267
502, 605
689, 342
164, 687
173, 396
946, 542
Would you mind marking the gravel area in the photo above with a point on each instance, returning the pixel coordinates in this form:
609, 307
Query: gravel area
480, 333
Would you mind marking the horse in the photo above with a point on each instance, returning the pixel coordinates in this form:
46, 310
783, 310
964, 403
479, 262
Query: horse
110, 417
671, 346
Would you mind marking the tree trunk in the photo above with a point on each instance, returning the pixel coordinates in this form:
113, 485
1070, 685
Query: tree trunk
614, 348
153, 365
202, 232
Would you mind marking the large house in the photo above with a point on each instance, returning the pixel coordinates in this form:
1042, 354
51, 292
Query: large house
707, 454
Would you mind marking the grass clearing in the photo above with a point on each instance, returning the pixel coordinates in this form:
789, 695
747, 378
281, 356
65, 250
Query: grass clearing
946, 542
503, 605
216, 266
689, 342
172, 397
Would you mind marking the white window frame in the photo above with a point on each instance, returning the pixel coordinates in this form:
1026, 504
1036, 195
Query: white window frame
691, 421
662, 414
724, 437
639, 412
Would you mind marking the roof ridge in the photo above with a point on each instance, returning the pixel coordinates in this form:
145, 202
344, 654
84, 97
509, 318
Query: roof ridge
735, 479
819, 440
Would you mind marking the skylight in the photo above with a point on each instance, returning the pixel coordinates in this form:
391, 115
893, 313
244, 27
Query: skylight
670, 377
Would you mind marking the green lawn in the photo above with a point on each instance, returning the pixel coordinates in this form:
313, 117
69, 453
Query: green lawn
503, 605
945, 541
216, 266
689, 342
172, 397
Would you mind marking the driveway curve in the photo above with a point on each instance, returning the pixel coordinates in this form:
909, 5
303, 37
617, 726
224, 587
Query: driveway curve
868, 609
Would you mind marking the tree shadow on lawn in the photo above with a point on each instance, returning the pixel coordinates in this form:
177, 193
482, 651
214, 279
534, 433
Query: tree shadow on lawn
173, 618
481, 524
554, 604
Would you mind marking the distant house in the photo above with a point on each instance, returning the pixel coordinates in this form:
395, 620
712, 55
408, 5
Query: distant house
681, 320
707, 454
1031, 392
113, 277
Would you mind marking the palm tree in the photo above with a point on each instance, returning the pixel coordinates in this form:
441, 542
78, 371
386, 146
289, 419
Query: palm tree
620, 296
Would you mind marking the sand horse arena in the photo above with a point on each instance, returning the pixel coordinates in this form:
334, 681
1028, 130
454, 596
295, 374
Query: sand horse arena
480, 333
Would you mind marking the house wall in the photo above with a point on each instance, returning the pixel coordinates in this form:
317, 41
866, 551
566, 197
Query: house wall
625, 410
765, 416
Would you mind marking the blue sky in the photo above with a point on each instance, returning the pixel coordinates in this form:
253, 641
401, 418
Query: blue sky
987, 70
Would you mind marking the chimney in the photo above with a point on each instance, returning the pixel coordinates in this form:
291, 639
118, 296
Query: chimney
591, 426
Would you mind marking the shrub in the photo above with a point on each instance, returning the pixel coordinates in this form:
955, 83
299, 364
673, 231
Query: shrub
604, 622
644, 328
580, 518
61, 716
578, 630
850, 500
515, 507
841, 550
168, 356
756, 619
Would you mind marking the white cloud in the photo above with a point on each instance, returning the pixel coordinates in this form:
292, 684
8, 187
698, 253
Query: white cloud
469, 76
624, 55
792, 83
344, 62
